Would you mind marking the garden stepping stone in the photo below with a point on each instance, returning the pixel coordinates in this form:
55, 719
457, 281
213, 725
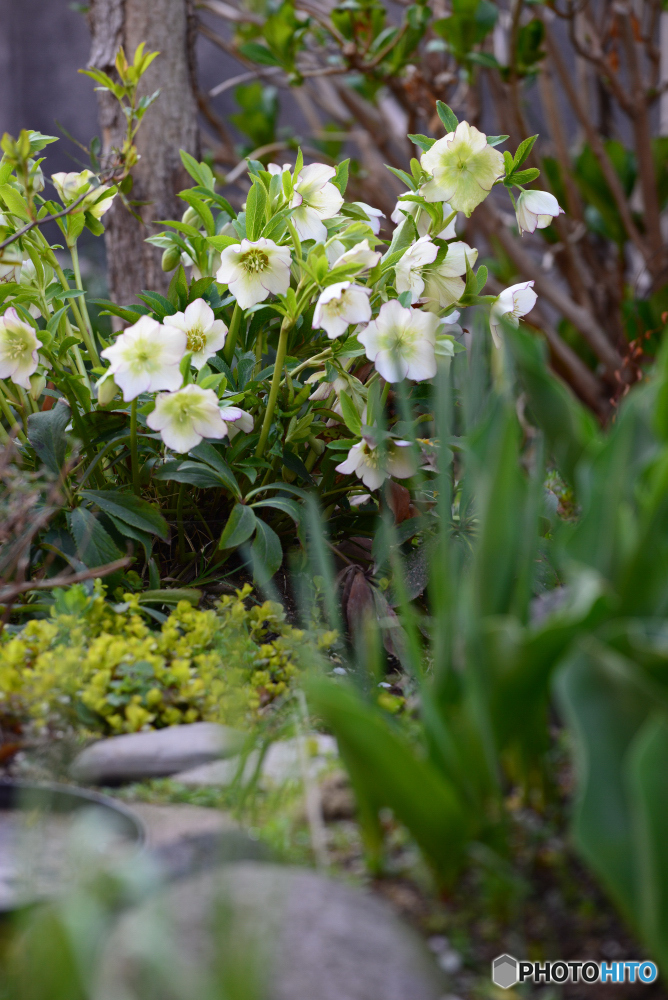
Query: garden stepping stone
304, 936
281, 763
154, 754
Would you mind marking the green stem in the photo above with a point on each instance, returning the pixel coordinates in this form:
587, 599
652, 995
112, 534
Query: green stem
233, 334
95, 357
13, 422
312, 362
134, 448
179, 523
275, 383
81, 326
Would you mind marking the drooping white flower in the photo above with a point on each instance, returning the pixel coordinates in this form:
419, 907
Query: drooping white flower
360, 255
409, 269
513, 303
274, 168
206, 334
422, 218
71, 186
369, 464
314, 199
237, 420
374, 215
185, 417
536, 210
18, 349
146, 357
254, 270
463, 168
444, 284
400, 342
339, 305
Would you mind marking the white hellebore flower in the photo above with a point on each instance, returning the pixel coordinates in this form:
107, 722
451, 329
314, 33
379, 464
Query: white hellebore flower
185, 417
400, 342
373, 468
254, 270
374, 215
339, 305
18, 349
360, 255
72, 186
423, 219
444, 284
535, 210
314, 199
146, 357
205, 333
237, 420
409, 269
464, 168
513, 303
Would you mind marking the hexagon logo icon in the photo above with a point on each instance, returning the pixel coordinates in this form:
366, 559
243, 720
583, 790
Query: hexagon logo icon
504, 971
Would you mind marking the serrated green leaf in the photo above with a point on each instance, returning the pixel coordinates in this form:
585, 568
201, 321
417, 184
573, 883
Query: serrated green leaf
131, 509
448, 117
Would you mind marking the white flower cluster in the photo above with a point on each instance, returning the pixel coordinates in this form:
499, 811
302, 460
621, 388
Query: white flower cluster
147, 357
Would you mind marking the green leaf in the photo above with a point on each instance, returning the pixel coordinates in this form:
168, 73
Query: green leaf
340, 179
350, 414
296, 491
128, 531
295, 464
481, 277
496, 140
526, 176
259, 54
266, 553
16, 204
240, 526
403, 176
94, 545
131, 509
193, 473
283, 504
200, 172
386, 772
171, 596
447, 116
46, 433
208, 453
222, 242
523, 151
423, 141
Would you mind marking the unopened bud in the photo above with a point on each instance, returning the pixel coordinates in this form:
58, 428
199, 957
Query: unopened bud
191, 217
171, 258
37, 385
106, 389
317, 444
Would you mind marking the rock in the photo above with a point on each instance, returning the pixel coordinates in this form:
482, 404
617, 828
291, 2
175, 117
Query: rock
186, 839
281, 763
307, 936
155, 754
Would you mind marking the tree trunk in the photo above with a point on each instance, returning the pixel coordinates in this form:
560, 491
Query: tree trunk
167, 26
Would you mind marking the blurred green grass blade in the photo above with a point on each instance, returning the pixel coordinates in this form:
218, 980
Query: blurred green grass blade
569, 428
389, 773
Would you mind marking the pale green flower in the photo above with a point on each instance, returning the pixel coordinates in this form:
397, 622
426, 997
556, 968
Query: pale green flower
18, 349
463, 168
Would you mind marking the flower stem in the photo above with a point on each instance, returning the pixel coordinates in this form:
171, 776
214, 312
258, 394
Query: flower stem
13, 422
134, 449
275, 383
179, 523
233, 334
95, 357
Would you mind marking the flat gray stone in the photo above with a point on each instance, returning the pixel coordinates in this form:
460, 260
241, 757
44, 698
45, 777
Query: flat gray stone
302, 935
282, 762
154, 754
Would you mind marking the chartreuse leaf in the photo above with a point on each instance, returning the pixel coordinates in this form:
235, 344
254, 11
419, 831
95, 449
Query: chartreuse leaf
350, 414
256, 210
387, 773
447, 116
240, 526
131, 509
523, 151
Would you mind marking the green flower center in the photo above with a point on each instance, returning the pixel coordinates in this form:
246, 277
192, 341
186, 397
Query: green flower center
371, 456
17, 343
254, 261
196, 339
